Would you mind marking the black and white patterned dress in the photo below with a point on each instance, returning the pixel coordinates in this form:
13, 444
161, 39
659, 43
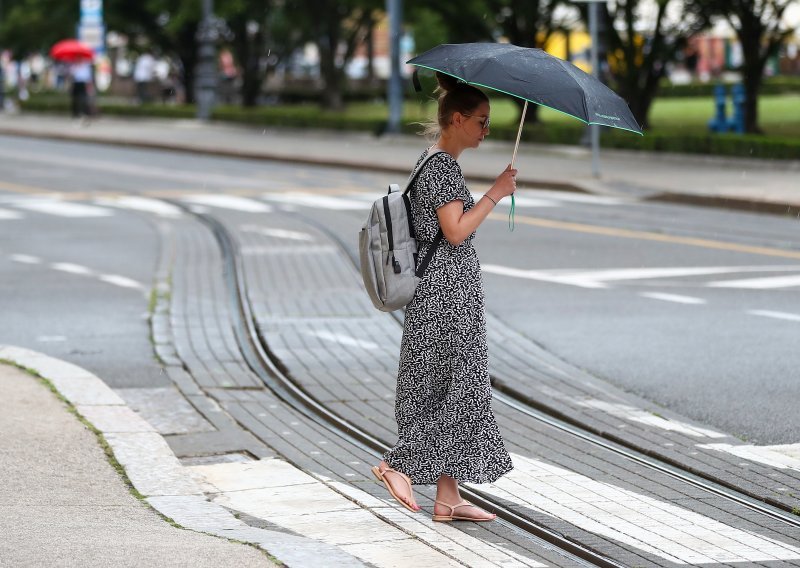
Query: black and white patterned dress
443, 408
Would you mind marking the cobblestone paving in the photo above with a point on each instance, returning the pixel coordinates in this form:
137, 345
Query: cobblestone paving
194, 337
519, 366
314, 315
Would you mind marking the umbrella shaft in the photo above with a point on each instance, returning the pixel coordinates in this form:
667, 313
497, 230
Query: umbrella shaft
519, 132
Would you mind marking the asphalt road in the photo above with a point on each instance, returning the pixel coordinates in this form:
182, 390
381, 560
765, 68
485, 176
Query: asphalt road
693, 308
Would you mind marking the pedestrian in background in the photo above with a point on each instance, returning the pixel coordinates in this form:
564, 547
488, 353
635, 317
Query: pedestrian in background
81, 75
143, 73
447, 433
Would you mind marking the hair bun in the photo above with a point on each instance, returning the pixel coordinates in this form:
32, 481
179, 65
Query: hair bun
446, 82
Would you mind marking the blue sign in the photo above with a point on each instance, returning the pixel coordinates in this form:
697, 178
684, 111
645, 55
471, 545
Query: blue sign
91, 12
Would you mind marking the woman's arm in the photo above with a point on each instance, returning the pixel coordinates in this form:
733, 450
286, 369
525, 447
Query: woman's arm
457, 225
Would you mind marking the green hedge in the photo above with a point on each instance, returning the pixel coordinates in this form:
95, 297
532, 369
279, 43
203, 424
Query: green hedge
782, 85
548, 133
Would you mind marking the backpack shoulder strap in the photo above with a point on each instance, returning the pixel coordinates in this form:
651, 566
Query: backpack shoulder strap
418, 170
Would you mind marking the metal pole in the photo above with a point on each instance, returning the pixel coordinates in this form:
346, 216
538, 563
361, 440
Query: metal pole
595, 129
206, 70
395, 10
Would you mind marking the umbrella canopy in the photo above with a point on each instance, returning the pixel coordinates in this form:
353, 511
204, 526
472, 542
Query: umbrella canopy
71, 50
533, 75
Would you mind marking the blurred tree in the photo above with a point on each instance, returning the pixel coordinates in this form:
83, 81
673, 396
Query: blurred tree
261, 35
168, 26
27, 26
527, 23
336, 27
761, 30
453, 22
644, 37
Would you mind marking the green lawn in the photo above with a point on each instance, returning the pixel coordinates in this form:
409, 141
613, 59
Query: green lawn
779, 115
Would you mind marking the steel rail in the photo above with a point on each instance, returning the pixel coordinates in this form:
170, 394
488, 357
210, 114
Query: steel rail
575, 427
278, 379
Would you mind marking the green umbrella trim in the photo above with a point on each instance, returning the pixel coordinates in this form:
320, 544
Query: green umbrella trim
526, 99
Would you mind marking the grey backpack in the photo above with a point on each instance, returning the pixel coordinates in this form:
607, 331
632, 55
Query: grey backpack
388, 248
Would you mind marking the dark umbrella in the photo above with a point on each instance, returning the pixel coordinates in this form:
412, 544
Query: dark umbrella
535, 76
71, 50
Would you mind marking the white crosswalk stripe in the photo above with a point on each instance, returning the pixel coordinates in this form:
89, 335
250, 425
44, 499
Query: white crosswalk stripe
357, 200
775, 315
6, 214
657, 527
229, 202
62, 208
321, 201
759, 283
146, 204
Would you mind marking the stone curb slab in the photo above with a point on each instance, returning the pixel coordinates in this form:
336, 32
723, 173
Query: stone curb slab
155, 471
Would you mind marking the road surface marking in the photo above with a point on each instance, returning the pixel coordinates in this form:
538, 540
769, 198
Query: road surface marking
26, 259
319, 201
71, 268
277, 233
62, 208
781, 457
142, 204
570, 196
121, 167
523, 201
229, 202
344, 339
50, 338
656, 527
645, 235
776, 315
598, 278
759, 283
672, 298
121, 281
340, 514
538, 275
6, 214
638, 415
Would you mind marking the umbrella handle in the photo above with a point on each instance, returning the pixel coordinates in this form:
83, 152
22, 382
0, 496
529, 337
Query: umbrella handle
519, 132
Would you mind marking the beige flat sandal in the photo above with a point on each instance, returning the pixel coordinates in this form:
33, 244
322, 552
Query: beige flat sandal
380, 475
453, 517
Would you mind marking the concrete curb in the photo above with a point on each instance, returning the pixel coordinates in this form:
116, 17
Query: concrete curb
153, 468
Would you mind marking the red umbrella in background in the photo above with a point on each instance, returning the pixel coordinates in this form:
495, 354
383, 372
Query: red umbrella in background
71, 50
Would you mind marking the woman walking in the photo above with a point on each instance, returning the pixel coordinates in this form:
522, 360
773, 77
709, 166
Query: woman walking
447, 433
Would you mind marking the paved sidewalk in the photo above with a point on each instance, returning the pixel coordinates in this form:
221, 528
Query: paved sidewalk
62, 503
735, 182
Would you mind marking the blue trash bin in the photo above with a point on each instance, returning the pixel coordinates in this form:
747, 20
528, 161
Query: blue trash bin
720, 121
736, 123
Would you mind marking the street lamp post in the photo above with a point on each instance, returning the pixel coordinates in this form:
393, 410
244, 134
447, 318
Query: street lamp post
205, 85
595, 61
593, 8
395, 10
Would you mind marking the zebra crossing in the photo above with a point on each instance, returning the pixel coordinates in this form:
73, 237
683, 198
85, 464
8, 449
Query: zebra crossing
15, 208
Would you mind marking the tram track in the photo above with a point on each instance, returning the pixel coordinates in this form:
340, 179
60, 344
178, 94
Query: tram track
258, 356
545, 414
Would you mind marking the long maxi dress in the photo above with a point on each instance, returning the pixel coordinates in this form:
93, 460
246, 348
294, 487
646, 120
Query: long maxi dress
443, 404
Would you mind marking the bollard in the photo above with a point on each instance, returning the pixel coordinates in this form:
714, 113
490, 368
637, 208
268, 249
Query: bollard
736, 124
720, 121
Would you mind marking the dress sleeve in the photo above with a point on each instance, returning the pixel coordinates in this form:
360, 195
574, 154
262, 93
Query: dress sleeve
443, 181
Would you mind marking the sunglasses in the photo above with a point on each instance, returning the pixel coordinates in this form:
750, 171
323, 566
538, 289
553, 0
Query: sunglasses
484, 123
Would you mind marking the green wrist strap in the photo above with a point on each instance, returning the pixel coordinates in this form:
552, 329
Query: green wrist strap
511, 215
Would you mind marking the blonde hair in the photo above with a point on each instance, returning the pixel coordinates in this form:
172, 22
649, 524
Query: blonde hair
453, 96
